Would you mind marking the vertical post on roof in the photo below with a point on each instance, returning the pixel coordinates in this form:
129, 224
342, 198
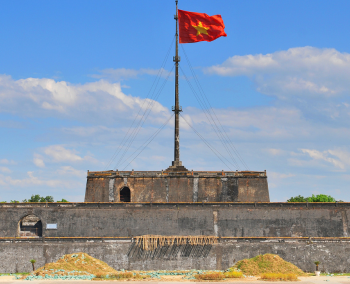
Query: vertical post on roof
177, 164
177, 109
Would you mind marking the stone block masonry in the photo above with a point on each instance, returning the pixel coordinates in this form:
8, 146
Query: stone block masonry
299, 232
332, 253
183, 219
191, 186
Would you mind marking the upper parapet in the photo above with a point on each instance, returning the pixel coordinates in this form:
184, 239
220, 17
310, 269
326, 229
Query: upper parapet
167, 173
165, 186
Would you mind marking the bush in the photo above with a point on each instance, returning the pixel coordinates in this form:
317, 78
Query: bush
233, 274
121, 275
38, 198
100, 275
116, 276
138, 276
313, 198
298, 198
210, 276
321, 198
279, 276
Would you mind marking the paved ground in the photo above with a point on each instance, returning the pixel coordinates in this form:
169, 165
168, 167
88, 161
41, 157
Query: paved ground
303, 280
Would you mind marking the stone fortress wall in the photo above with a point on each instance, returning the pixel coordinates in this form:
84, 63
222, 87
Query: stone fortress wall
184, 219
191, 186
333, 253
299, 232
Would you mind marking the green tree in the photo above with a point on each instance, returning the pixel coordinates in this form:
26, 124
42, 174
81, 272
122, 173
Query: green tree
317, 264
313, 198
47, 199
298, 198
34, 198
14, 201
32, 261
321, 198
38, 198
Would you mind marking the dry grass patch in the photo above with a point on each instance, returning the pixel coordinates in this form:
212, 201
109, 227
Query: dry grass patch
75, 264
139, 276
233, 274
279, 277
267, 263
121, 276
210, 276
115, 276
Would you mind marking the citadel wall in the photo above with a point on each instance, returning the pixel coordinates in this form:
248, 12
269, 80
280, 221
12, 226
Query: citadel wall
183, 219
332, 253
191, 186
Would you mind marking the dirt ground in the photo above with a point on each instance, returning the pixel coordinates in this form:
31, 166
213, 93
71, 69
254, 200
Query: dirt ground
178, 279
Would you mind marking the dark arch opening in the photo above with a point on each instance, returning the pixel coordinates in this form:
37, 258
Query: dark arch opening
125, 194
30, 226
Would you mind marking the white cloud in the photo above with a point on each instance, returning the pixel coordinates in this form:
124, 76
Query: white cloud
7, 162
124, 74
275, 175
39, 162
275, 152
5, 170
89, 131
60, 154
158, 158
59, 92
91, 102
296, 72
31, 180
259, 123
68, 170
339, 158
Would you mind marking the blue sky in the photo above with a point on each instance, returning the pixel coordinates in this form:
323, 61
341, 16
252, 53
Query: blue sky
73, 75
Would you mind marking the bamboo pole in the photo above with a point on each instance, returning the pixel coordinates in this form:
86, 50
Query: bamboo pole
152, 242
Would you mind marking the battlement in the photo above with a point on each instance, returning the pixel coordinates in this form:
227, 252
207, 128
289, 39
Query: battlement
167, 173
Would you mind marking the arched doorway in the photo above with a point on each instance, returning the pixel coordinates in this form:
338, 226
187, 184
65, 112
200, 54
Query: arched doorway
125, 195
30, 226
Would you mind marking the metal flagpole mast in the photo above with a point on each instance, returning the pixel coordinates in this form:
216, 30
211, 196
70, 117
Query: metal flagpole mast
177, 164
177, 108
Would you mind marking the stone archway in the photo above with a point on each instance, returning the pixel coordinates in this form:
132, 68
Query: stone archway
30, 226
125, 194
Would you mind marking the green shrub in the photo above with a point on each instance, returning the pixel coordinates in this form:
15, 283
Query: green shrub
210, 276
121, 275
233, 274
313, 198
279, 277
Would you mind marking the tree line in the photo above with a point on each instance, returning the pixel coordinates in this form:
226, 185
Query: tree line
313, 198
299, 198
37, 198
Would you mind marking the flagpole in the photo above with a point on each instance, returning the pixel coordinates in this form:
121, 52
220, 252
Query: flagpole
177, 164
177, 108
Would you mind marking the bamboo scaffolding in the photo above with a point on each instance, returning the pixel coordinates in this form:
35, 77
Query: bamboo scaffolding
152, 242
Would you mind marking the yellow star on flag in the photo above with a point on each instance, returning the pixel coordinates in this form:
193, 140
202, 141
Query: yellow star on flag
200, 29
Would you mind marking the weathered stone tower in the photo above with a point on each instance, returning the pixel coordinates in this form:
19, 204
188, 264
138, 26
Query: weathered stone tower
169, 186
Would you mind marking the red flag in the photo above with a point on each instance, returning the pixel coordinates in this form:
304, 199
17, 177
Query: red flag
194, 27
